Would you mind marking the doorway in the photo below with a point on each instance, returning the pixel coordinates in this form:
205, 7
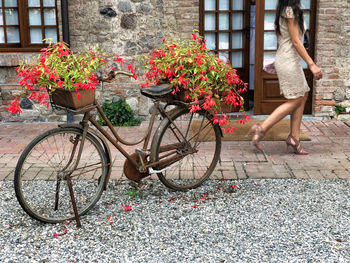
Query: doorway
266, 88
228, 28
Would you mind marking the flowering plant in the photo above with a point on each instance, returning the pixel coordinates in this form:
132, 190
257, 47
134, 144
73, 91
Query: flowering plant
208, 82
57, 67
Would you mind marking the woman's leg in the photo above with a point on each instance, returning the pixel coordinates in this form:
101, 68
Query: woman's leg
296, 117
280, 112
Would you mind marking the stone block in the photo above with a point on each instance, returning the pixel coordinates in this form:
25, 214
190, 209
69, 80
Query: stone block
108, 12
130, 48
6, 95
340, 94
344, 104
343, 117
143, 8
134, 104
128, 21
124, 6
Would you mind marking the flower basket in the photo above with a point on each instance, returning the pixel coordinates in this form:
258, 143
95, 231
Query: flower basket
74, 99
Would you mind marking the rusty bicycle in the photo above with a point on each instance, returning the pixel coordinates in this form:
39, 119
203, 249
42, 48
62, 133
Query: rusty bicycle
63, 172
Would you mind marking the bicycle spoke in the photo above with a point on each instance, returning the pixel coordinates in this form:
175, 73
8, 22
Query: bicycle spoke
41, 170
201, 155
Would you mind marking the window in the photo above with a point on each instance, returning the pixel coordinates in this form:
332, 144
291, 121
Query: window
223, 24
24, 24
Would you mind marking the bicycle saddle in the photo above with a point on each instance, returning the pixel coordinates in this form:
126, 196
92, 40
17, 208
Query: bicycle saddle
156, 91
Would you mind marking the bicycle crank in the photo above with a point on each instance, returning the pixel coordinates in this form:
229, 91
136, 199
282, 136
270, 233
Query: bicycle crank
132, 172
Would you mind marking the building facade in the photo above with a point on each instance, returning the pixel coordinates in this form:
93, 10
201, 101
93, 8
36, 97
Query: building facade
131, 28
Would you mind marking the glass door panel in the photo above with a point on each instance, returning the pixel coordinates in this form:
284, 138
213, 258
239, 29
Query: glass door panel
210, 40
271, 4
224, 21
237, 40
305, 4
34, 3
210, 5
224, 4
210, 22
269, 23
237, 21
237, 4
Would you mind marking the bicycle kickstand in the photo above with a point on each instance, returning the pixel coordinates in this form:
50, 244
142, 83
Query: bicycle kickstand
76, 215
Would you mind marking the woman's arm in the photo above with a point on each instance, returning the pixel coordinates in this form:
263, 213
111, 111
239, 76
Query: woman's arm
293, 28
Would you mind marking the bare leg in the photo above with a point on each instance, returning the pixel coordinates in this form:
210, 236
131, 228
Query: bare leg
296, 117
280, 112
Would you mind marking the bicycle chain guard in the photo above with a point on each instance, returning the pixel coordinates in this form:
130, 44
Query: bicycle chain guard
131, 172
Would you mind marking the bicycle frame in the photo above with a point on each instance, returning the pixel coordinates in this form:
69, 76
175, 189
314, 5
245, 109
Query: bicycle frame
116, 140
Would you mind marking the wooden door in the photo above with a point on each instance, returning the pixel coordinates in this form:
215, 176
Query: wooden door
225, 27
266, 90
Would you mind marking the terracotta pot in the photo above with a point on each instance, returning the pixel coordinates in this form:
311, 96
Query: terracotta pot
69, 99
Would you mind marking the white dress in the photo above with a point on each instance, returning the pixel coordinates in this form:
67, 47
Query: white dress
290, 73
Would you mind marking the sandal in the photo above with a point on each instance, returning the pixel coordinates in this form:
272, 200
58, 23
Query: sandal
295, 144
258, 135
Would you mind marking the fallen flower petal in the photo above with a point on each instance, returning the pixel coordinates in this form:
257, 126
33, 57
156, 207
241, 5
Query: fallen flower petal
64, 232
126, 208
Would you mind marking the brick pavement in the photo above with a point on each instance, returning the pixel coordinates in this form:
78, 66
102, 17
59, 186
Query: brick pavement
328, 158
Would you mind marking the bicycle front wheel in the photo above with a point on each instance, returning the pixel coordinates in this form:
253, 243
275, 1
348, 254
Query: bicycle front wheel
187, 149
40, 184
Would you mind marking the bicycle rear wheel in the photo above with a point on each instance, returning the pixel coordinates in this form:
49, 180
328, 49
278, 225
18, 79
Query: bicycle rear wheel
39, 183
188, 148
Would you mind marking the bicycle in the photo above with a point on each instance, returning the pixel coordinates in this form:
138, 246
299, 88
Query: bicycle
179, 153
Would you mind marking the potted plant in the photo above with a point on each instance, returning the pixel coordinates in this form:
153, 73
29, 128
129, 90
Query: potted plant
70, 79
196, 76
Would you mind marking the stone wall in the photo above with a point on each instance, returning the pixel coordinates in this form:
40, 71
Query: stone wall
128, 28
333, 56
133, 27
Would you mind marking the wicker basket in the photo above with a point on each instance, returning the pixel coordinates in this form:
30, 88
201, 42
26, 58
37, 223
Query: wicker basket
69, 99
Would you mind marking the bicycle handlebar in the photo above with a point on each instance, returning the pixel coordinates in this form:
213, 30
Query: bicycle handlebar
111, 76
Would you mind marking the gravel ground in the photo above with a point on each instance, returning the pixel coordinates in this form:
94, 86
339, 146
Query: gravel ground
256, 221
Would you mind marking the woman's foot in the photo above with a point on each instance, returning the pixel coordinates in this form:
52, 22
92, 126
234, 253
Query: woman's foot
258, 135
295, 144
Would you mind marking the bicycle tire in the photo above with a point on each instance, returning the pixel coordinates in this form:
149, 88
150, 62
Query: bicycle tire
194, 168
40, 165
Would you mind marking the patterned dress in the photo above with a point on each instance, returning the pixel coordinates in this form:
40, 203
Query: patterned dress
290, 73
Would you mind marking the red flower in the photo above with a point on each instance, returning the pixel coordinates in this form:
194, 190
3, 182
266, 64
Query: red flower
194, 36
194, 206
14, 107
144, 85
231, 129
194, 108
119, 60
60, 83
126, 208
130, 68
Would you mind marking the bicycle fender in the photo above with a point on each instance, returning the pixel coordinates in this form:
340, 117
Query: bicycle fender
104, 143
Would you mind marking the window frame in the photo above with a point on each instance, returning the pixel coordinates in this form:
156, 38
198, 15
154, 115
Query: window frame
24, 28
